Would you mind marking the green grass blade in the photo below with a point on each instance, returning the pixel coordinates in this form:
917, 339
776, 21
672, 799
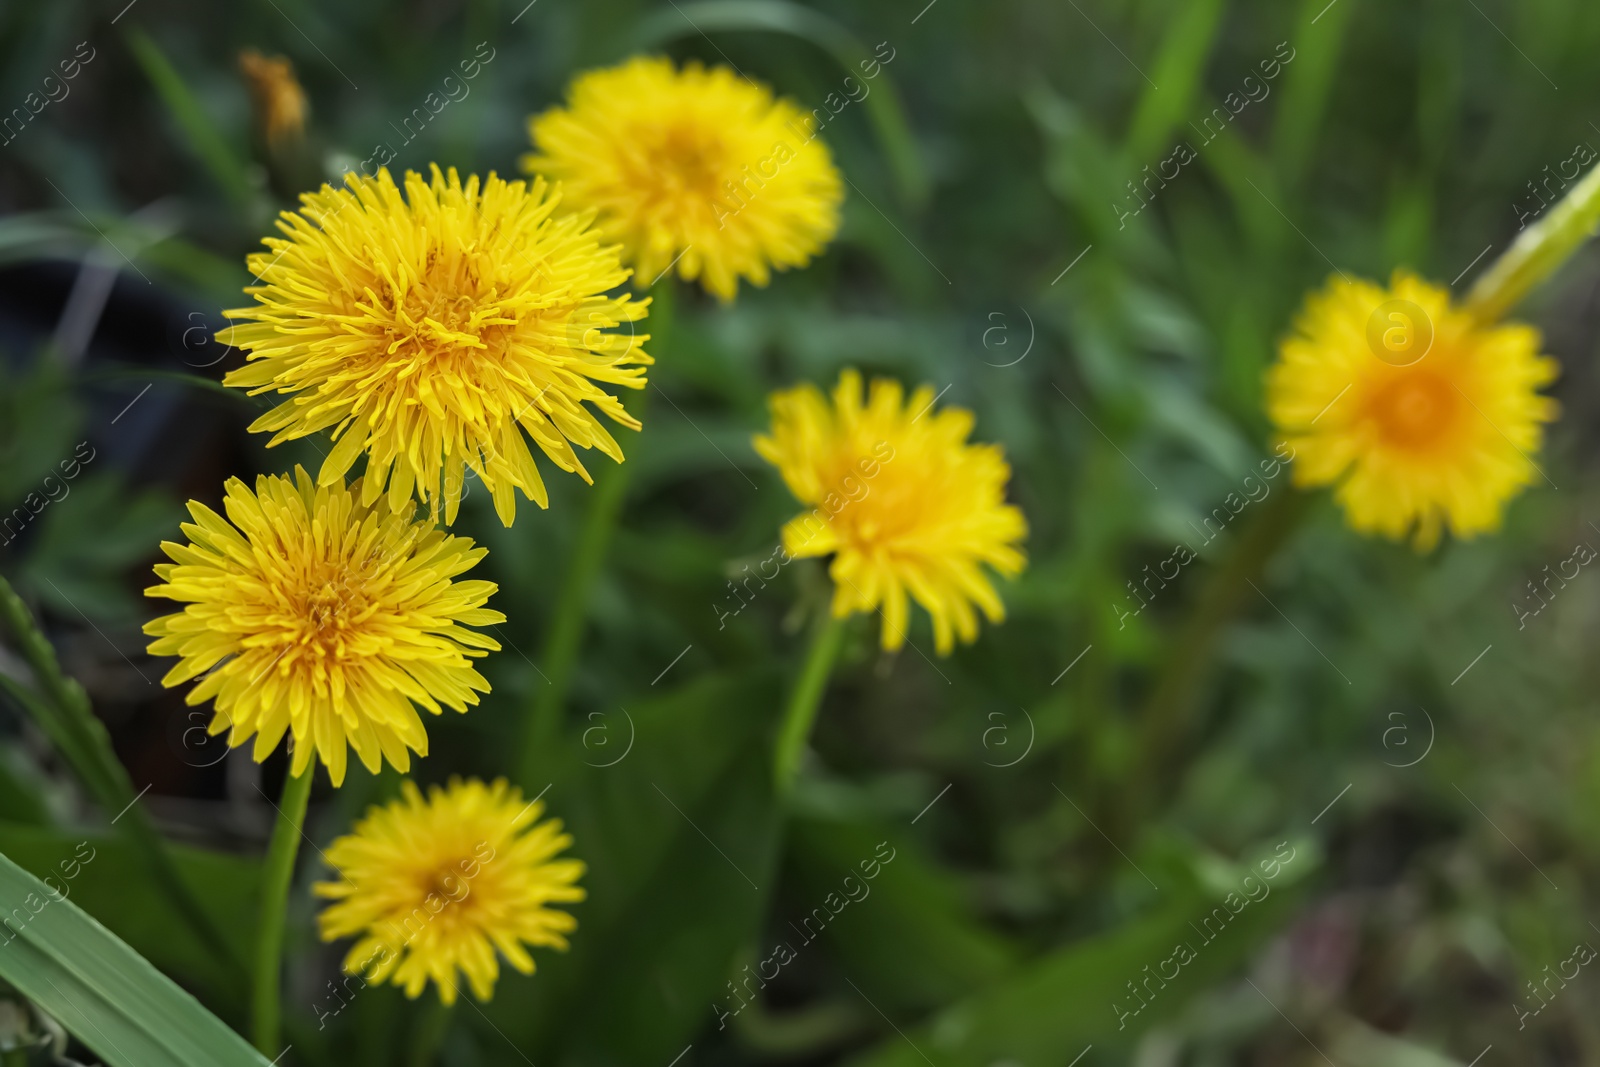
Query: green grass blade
204, 138
1180, 65
62, 710
109, 996
1052, 1007
121, 895
1318, 40
193, 381
40, 234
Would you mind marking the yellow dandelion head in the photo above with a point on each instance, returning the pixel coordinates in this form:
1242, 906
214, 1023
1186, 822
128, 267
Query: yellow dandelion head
310, 612
902, 501
1423, 416
699, 167
434, 887
432, 332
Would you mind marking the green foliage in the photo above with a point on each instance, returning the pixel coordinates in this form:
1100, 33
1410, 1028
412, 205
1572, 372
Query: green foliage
681, 838
203, 138
121, 896
1065, 797
112, 999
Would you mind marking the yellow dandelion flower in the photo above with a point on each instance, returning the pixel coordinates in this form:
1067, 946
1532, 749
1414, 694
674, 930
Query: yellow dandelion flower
433, 332
702, 168
1423, 415
313, 613
275, 96
901, 499
434, 887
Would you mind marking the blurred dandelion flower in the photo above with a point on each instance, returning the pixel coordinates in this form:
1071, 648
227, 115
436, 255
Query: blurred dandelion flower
310, 612
433, 334
700, 168
432, 887
276, 98
1422, 414
901, 499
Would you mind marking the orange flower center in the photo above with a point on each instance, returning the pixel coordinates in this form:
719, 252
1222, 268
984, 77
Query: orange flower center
1414, 411
446, 883
332, 605
329, 616
444, 310
455, 905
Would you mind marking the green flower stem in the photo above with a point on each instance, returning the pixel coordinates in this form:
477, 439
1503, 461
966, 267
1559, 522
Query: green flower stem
1539, 252
266, 1011
61, 709
826, 640
433, 1023
559, 656
1164, 721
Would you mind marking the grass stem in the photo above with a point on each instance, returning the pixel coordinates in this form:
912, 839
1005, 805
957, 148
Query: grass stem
826, 640
266, 1009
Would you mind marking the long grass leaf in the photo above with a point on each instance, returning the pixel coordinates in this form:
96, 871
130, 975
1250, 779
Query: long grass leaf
204, 138
109, 996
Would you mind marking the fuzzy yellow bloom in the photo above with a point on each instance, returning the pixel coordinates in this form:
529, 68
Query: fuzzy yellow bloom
275, 96
311, 613
432, 888
436, 333
698, 167
901, 500
1424, 416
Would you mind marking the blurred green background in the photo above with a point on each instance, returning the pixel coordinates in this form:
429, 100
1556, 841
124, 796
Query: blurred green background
1064, 801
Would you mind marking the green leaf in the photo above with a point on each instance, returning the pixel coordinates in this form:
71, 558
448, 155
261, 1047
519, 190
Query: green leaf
84, 551
917, 944
220, 277
39, 421
41, 235
193, 381
204, 139
106, 994
1179, 68
20, 796
1055, 1006
1318, 38
120, 893
680, 838
1080, 167
61, 708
